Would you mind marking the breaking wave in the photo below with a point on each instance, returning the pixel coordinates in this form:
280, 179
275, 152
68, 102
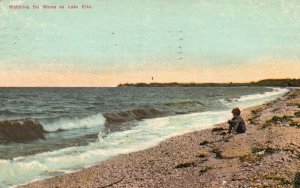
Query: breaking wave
76, 123
276, 91
131, 115
146, 134
265, 95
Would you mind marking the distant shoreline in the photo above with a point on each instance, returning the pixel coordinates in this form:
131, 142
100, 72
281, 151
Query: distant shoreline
266, 83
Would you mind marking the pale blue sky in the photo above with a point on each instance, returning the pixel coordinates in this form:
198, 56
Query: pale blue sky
117, 34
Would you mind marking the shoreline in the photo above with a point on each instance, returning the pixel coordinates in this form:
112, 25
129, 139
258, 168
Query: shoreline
265, 83
211, 158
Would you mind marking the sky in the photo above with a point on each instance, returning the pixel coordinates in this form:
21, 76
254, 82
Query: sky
121, 41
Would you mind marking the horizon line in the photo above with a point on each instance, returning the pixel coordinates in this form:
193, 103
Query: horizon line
249, 82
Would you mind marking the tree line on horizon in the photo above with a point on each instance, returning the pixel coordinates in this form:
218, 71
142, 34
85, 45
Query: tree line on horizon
266, 82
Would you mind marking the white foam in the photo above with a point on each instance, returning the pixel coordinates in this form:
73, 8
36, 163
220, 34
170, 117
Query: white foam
146, 134
224, 101
67, 124
3, 162
254, 99
18, 172
276, 91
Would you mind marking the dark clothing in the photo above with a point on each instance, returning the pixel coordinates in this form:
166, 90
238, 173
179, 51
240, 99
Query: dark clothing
237, 124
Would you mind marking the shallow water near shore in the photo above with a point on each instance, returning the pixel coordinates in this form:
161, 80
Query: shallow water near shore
88, 138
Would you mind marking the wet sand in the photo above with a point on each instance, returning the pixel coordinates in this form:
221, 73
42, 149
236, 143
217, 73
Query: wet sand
267, 155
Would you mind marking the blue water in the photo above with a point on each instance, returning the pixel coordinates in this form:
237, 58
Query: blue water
100, 123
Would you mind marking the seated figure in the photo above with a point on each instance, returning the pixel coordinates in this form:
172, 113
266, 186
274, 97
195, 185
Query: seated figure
237, 123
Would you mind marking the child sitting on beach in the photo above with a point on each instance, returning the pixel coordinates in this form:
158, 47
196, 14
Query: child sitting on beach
237, 123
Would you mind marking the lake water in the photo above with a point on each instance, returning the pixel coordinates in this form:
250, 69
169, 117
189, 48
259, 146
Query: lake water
90, 125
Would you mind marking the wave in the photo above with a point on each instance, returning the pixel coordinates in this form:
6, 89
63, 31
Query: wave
130, 115
146, 134
185, 104
99, 120
276, 91
265, 95
226, 101
20, 130
7, 112
75, 123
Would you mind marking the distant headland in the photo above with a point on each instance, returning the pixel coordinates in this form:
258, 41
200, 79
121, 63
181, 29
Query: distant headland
267, 82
